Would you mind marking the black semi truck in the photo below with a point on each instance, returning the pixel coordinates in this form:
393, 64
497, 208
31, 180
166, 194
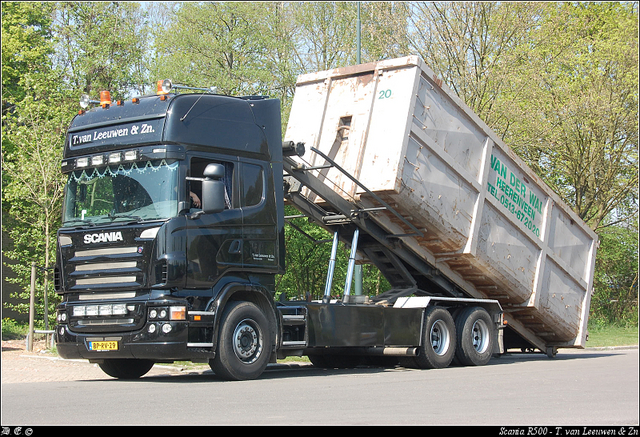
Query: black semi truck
173, 235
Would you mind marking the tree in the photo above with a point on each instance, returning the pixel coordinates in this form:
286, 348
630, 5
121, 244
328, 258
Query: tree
33, 188
574, 116
221, 44
326, 35
102, 46
615, 301
384, 30
473, 48
26, 33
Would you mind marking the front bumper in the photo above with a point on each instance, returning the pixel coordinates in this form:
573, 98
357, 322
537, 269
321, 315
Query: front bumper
157, 340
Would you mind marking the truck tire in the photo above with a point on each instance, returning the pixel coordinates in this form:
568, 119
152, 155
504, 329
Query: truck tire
476, 336
244, 344
439, 340
126, 368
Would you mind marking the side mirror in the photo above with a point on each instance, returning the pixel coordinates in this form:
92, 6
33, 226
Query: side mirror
213, 189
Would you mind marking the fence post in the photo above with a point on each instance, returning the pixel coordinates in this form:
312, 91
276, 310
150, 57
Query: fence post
32, 305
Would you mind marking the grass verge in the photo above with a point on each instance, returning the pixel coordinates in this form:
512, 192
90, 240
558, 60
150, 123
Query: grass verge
609, 336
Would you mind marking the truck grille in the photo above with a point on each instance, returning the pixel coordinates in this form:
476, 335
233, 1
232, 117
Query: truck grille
106, 268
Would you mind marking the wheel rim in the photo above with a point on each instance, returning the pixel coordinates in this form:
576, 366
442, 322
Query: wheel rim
440, 339
480, 336
247, 343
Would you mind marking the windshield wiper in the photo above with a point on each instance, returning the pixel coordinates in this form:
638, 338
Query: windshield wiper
83, 221
137, 218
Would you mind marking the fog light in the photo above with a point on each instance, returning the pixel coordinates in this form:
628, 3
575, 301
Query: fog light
62, 330
166, 328
151, 329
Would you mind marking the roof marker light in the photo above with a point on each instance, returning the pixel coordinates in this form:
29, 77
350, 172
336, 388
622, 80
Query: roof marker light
114, 158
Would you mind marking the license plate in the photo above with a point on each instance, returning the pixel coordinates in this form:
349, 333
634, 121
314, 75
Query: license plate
103, 345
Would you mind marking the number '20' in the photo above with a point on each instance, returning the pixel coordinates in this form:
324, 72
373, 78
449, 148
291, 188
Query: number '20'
384, 94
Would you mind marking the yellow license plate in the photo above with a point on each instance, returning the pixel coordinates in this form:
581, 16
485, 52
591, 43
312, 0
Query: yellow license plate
103, 345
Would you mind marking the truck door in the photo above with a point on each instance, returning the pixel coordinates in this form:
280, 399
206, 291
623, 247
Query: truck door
214, 241
259, 218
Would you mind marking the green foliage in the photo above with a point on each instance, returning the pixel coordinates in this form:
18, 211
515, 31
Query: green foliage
574, 106
615, 298
26, 45
12, 330
102, 46
307, 260
473, 47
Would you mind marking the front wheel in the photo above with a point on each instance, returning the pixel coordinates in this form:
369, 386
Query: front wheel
244, 342
126, 368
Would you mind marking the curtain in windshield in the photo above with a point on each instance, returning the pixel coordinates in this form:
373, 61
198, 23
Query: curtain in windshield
144, 190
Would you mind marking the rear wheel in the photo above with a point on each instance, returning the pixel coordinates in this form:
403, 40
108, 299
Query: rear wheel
126, 368
244, 342
476, 336
439, 340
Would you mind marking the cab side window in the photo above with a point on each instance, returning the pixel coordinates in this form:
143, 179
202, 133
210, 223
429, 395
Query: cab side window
252, 184
195, 187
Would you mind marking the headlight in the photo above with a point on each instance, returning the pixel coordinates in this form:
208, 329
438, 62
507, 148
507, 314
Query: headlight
168, 313
149, 233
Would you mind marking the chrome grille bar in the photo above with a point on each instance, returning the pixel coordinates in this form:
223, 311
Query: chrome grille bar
106, 280
106, 251
106, 266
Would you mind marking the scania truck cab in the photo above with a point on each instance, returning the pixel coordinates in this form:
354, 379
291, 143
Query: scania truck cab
173, 209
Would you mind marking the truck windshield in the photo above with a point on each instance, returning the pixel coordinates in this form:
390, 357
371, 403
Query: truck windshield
145, 190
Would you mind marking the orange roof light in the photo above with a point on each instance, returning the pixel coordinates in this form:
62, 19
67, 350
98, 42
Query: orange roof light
105, 98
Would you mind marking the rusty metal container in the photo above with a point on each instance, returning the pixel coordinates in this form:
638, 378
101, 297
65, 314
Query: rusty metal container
490, 224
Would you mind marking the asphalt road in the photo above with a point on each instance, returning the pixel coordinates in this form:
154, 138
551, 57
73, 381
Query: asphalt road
576, 388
